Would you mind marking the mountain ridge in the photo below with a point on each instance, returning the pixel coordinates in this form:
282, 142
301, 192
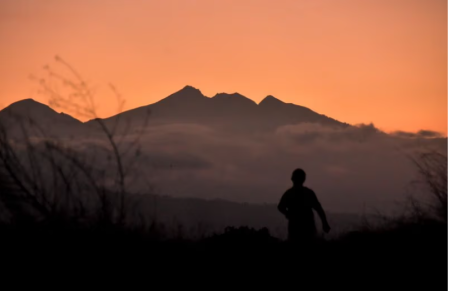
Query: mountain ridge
39, 119
190, 105
225, 111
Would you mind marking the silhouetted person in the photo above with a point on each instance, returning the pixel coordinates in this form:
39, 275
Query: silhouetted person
297, 204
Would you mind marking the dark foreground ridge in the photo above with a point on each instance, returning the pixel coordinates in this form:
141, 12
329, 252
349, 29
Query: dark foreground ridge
412, 255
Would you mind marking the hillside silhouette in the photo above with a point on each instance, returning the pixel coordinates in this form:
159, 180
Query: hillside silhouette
225, 111
38, 119
231, 112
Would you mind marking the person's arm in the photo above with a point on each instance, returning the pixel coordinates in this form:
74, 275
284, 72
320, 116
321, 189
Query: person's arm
318, 207
282, 207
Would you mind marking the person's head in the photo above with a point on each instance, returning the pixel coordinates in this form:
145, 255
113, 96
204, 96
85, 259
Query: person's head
298, 177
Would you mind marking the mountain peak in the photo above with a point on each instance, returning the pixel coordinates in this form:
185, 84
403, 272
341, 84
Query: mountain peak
270, 100
189, 91
31, 107
26, 101
223, 94
187, 94
234, 97
33, 113
189, 88
27, 104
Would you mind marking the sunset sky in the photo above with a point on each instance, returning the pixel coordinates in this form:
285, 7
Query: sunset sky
358, 61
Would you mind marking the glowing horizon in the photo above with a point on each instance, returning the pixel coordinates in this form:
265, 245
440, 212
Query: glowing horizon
381, 62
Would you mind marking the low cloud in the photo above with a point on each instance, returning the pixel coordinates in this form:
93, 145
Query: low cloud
350, 169
418, 134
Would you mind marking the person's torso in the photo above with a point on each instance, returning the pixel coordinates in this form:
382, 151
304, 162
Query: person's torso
300, 204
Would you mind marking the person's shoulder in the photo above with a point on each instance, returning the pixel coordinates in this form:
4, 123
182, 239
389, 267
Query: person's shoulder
308, 190
289, 191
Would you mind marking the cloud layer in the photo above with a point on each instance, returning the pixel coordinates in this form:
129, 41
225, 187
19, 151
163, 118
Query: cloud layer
350, 169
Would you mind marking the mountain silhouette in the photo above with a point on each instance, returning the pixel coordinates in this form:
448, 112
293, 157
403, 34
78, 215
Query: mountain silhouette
229, 112
35, 117
232, 112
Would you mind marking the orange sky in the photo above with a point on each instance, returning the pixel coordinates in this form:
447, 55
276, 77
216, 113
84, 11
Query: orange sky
380, 61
